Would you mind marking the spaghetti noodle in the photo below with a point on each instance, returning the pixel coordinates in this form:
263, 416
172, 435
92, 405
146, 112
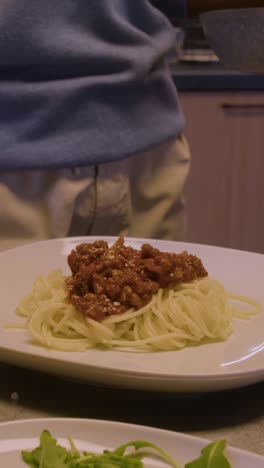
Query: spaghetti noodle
191, 313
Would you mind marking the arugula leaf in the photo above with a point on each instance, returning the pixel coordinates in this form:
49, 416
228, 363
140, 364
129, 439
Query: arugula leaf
29, 458
118, 458
108, 461
139, 444
212, 456
49, 454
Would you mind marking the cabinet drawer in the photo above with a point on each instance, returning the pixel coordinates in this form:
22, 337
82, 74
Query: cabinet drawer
225, 187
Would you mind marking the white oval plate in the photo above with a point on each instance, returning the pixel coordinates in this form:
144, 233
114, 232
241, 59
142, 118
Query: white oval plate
95, 436
237, 362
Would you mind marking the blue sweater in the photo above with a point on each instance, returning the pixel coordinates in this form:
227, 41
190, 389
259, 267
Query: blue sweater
83, 81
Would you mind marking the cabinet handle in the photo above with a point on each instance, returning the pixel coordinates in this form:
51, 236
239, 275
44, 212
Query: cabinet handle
243, 107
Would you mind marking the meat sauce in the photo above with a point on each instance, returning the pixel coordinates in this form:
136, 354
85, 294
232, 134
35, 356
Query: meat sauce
110, 280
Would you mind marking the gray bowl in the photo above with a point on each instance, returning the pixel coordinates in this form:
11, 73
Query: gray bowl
237, 37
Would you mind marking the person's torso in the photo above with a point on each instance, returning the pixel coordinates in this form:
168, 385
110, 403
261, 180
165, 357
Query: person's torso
83, 81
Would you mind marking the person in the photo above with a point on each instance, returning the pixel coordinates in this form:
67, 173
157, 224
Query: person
91, 129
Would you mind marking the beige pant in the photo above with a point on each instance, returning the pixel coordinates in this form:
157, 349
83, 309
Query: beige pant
140, 196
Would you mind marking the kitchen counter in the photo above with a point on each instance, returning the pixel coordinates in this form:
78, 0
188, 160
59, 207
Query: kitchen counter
197, 76
236, 415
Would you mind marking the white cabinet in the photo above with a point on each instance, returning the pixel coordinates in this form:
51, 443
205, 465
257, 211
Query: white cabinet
225, 190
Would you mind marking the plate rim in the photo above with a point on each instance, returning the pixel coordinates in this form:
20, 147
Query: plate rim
145, 374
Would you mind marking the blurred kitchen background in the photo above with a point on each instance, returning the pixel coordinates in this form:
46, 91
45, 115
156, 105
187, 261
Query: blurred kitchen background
224, 113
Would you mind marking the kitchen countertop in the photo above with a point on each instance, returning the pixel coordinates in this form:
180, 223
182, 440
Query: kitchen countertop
236, 415
197, 76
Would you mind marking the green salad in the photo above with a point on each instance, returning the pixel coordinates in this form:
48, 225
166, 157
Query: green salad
49, 454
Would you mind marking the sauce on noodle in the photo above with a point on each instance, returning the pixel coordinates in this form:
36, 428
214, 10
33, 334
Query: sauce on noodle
110, 280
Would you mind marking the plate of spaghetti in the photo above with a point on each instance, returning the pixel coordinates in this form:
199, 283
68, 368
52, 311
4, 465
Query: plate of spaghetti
136, 313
